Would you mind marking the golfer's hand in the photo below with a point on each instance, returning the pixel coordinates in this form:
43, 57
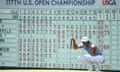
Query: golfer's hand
72, 39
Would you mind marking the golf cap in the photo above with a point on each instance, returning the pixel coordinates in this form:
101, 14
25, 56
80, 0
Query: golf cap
85, 39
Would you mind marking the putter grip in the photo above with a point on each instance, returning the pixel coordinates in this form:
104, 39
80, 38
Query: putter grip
71, 44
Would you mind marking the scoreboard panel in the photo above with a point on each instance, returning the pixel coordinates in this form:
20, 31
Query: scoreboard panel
39, 36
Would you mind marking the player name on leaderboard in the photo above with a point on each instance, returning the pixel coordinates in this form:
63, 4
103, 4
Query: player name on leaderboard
39, 36
8, 38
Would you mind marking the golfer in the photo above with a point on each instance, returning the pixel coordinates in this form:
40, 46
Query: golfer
94, 57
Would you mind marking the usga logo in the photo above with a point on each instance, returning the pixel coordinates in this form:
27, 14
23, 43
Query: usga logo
109, 2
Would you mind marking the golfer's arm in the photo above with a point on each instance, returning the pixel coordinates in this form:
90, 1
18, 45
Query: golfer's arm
94, 50
74, 45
